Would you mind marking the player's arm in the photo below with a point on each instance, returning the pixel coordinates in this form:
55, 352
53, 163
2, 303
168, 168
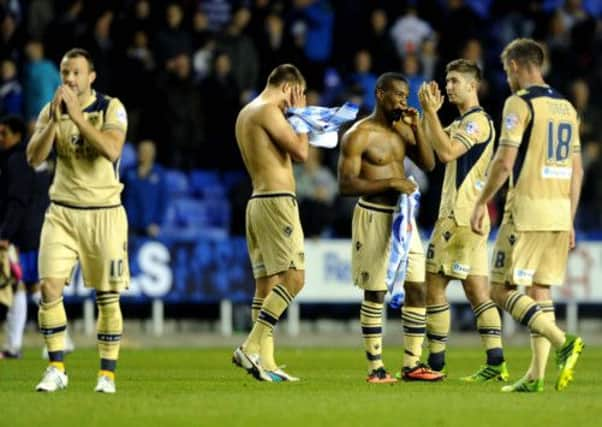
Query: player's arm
516, 115
576, 181
418, 149
353, 145
281, 131
447, 149
283, 134
108, 142
500, 170
43, 137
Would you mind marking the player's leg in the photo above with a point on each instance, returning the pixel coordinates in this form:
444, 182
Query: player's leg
109, 328
489, 326
371, 322
413, 316
540, 346
538, 257
413, 321
57, 257
437, 320
275, 303
263, 286
105, 267
52, 321
275, 243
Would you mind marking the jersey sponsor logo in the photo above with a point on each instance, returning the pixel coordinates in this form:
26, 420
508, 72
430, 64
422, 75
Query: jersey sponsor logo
471, 128
460, 268
556, 172
510, 121
523, 274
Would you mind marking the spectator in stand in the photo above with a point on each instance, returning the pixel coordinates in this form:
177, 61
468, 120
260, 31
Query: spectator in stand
11, 93
203, 45
590, 116
145, 193
221, 102
364, 78
40, 80
316, 190
100, 45
409, 31
242, 53
175, 118
411, 69
317, 17
379, 43
174, 38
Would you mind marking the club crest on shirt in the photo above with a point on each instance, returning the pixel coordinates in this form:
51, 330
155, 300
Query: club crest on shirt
510, 121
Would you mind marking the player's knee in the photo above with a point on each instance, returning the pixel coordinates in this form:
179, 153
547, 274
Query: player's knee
415, 294
435, 293
475, 295
51, 290
295, 279
375, 296
498, 294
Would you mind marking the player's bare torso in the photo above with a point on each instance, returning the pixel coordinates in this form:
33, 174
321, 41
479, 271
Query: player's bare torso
269, 166
384, 150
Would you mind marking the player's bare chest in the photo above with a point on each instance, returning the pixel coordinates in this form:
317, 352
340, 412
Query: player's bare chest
386, 149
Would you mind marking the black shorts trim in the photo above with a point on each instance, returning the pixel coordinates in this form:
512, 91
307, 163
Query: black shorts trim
66, 205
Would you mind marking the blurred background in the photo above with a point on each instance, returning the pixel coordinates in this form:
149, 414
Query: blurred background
183, 69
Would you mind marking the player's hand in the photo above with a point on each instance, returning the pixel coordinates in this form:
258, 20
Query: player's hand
572, 243
297, 97
55, 106
403, 185
71, 103
430, 97
411, 116
477, 218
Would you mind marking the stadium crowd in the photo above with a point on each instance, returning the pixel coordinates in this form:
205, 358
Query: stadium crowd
184, 68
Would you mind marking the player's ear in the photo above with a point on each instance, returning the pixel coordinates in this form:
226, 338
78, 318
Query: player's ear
92, 77
378, 93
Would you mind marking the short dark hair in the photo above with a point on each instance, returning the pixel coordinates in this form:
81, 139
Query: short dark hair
524, 51
79, 52
384, 80
15, 123
285, 73
465, 66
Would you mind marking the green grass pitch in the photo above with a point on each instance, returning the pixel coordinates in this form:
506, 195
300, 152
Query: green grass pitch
200, 387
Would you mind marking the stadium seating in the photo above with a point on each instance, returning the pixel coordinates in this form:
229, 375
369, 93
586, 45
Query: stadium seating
177, 183
206, 184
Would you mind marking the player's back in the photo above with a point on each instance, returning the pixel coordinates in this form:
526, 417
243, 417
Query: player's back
269, 166
539, 198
